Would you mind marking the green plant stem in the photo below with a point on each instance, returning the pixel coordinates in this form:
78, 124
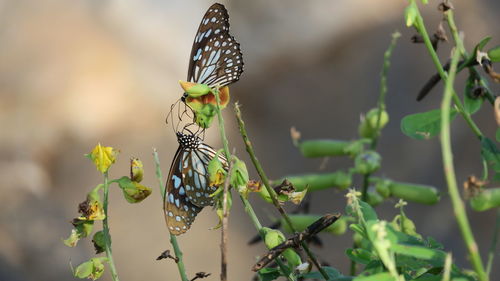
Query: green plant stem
460, 45
105, 230
173, 239
458, 205
248, 207
225, 218
272, 193
383, 86
493, 247
435, 59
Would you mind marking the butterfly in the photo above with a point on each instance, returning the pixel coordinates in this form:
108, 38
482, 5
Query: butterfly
188, 189
216, 59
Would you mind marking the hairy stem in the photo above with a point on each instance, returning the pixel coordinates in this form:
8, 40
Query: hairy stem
173, 239
458, 205
272, 193
107, 236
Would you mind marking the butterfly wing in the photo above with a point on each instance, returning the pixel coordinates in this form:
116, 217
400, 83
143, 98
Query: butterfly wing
197, 182
216, 57
179, 211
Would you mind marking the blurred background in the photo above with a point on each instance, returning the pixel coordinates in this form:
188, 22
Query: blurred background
75, 73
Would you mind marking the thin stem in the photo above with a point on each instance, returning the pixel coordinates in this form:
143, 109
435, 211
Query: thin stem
383, 86
173, 239
105, 230
272, 193
225, 219
435, 59
458, 205
460, 45
225, 222
248, 207
493, 247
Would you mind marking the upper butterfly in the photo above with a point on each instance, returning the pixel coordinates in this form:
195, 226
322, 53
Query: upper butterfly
215, 62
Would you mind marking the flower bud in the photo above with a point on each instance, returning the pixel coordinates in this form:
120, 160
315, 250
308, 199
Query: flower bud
103, 157
136, 170
133, 192
367, 162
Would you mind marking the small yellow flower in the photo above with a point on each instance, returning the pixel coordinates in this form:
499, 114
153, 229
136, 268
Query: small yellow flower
136, 170
103, 157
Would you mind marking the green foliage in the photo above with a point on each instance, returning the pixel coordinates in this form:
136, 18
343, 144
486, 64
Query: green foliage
486, 199
471, 103
491, 155
423, 126
494, 54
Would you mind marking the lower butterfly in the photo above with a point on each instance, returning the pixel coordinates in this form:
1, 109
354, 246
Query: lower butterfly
188, 189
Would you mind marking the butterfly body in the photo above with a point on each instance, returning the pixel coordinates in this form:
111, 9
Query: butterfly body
188, 189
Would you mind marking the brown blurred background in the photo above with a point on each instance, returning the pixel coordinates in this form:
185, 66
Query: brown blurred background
74, 73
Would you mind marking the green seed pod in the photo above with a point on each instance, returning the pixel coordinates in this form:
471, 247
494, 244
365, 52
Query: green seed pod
368, 127
486, 199
373, 198
313, 182
382, 186
418, 193
367, 162
323, 148
273, 237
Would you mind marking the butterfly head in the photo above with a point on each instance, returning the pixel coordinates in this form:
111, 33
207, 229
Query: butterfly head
188, 140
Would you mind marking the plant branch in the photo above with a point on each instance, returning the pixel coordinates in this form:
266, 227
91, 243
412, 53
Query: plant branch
248, 207
383, 86
428, 44
297, 239
458, 205
270, 190
173, 239
460, 45
107, 236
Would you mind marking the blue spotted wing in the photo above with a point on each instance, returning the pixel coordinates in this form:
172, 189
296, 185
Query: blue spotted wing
216, 57
188, 189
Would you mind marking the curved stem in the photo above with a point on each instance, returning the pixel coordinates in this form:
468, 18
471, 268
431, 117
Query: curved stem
173, 239
272, 193
248, 207
458, 205
105, 230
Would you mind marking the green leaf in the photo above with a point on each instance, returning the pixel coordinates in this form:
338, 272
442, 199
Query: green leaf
333, 274
471, 60
471, 103
494, 54
368, 212
491, 155
269, 274
384, 276
359, 255
435, 257
425, 125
